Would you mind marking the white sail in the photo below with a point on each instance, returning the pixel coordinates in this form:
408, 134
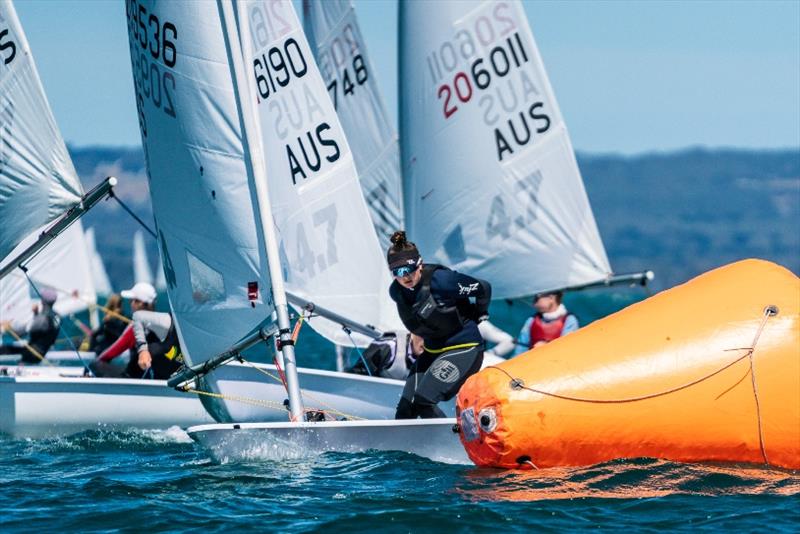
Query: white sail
37, 179
63, 266
161, 279
141, 265
491, 184
202, 191
102, 284
341, 54
332, 254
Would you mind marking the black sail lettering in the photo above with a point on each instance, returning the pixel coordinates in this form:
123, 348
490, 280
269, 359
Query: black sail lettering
7, 45
328, 142
294, 165
523, 141
317, 163
536, 116
502, 144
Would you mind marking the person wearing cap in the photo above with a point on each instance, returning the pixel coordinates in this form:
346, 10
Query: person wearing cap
551, 321
435, 305
143, 297
42, 330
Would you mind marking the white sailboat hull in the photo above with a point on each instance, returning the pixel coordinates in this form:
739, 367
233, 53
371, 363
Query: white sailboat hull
41, 403
429, 438
339, 394
42, 406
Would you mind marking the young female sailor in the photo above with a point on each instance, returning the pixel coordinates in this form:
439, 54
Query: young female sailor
435, 305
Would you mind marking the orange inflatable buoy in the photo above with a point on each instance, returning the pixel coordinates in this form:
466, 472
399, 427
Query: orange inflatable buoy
706, 371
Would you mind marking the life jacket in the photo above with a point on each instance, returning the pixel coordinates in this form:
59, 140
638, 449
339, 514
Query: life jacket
166, 355
427, 317
542, 330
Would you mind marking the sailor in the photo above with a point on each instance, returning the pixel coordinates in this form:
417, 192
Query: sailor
113, 325
42, 330
158, 351
143, 298
551, 321
434, 305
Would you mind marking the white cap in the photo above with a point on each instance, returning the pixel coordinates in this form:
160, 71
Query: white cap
141, 291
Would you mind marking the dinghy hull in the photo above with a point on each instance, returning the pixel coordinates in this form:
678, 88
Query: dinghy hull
40, 402
700, 372
43, 406
430, 438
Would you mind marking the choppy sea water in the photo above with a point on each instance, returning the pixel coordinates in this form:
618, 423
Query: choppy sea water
160, 480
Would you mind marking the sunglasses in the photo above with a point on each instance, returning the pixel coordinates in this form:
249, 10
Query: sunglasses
403, 271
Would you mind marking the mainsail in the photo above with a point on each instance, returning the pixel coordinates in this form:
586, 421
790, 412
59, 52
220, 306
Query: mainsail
202, 191
341, 54
491, 184
331, 252
37, 179
141, 265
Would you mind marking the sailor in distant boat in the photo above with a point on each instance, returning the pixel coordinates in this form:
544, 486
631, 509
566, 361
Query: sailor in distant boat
143, 298
42, 330
551, 321
112, 328
434, 304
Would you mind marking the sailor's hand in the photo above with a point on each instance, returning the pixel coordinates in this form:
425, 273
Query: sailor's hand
417, 345
145, 360
5, 325
539, 344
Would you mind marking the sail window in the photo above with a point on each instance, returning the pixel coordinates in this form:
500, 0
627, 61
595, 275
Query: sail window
207, 284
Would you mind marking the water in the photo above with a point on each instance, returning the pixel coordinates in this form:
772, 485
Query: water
160, 480
98, 481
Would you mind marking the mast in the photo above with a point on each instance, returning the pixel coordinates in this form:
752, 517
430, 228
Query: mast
251, 138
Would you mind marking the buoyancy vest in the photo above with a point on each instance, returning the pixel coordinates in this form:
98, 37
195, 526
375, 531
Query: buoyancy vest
166, 355
427, 317
542, 330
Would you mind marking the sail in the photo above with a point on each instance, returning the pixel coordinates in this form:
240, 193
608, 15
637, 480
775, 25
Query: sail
331, 252
37, 179
63, 266
161, 279
141, 265
491, 184
102, 284
341, 54
201, 189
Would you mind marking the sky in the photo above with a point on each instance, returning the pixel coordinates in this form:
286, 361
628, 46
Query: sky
629, 76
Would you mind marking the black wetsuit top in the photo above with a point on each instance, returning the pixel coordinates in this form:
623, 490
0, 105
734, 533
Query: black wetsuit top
450, 288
